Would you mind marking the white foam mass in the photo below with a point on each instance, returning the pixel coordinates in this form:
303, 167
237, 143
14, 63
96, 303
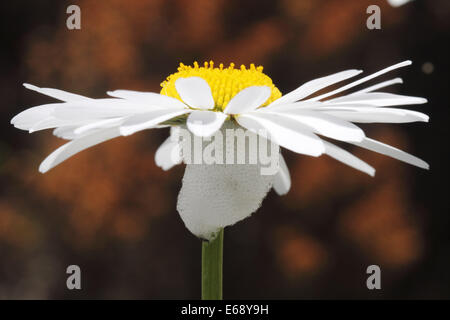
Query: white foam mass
214, 196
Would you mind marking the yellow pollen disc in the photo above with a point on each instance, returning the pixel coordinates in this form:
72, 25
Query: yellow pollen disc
225, 83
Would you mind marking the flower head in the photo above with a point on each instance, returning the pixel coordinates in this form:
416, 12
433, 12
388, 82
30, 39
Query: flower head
203, 99
224, 83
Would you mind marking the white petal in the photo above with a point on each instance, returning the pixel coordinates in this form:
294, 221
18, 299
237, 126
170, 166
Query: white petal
283, 131
282, 182
168, 154
205, 123
376, 115
147, 120
378, 99
65, 132
195, 92
378, 86
347, 158
52, 122
148, 98
303, 105
56, 93
325, 124
362, 80
107, 123
75, 112
248, 99
71, 148
71, 132
315, 85
392, 152
97, 109
29, 117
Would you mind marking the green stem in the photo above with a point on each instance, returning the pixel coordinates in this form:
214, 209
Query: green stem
212, 257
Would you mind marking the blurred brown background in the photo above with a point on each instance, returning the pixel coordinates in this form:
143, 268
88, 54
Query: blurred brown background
111, 211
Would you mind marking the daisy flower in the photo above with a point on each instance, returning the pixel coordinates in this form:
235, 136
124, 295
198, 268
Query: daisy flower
207, 99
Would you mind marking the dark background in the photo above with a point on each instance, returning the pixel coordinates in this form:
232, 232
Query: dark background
111, 211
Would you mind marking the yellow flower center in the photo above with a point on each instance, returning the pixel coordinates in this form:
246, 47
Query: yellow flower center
225, 83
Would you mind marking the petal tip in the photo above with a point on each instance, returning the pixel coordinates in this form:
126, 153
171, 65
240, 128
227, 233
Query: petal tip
195, 92
112, 93
424, 118
199, 132
124, 131
44, 167
422, 164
